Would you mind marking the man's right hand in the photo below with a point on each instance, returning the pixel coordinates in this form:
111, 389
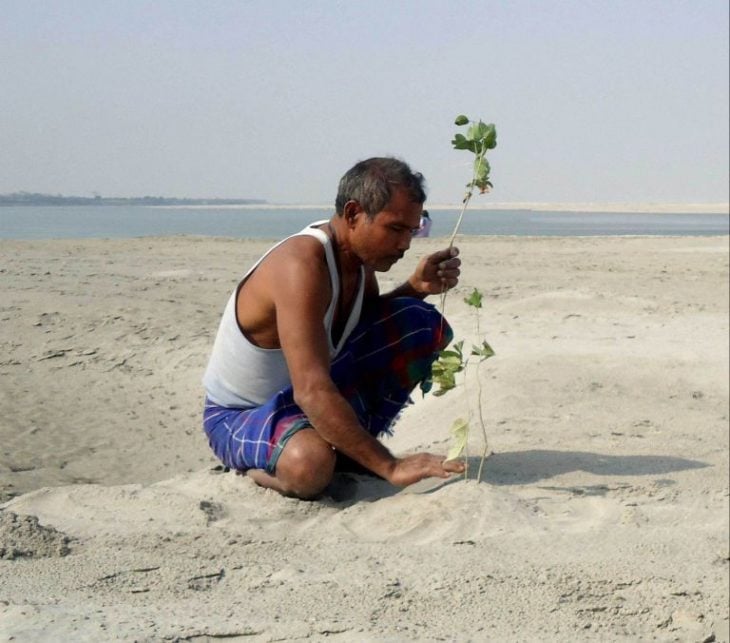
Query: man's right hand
412, 468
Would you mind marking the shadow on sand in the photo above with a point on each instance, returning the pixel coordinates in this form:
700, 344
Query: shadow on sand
526, 467
514, 468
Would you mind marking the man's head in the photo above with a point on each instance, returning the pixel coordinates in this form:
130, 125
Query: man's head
379, 205
373, 182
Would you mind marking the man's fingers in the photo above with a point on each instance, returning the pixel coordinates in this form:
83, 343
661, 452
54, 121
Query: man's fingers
413, 468
453, 466
449, 271
449, 264
445, 254
444, 468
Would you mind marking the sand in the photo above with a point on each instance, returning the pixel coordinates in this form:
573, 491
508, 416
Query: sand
602, 513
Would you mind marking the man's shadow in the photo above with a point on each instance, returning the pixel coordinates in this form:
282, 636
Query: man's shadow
353, 484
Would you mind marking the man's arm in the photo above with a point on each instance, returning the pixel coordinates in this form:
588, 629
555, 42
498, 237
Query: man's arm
301, 299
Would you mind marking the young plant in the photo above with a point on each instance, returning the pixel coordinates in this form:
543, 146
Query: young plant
443, 374
479, 138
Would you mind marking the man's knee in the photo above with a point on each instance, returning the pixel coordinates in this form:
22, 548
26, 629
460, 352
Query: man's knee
306, 464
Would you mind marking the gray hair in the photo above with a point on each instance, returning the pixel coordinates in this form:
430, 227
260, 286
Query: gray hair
372, 182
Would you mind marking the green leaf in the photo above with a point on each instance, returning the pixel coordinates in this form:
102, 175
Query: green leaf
461, 120
445, 381
450, 360
450, 363
490, 136
474, 133
460, 142
484, 351
445, 368
457, 348
481, 170
459, 436
475, 299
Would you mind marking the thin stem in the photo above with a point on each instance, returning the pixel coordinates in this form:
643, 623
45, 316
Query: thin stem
467, 198
468, 424
479, 400
481, 423
461, 216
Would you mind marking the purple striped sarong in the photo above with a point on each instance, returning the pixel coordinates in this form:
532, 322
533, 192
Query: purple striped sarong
388, 353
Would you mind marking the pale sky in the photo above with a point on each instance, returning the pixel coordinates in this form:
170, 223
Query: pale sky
603, 101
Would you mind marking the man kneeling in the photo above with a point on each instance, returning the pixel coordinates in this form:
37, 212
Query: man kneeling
311, 361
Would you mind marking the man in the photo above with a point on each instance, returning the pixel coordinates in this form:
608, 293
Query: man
311, 361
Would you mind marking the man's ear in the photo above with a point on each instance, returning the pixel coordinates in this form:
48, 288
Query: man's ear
352, 212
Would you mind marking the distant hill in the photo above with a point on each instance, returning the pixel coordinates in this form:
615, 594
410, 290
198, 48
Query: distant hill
32, 198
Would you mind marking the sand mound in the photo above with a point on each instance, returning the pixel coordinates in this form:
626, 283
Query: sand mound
25, 537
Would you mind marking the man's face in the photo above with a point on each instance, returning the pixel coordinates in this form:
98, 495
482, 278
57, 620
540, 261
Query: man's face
384, 239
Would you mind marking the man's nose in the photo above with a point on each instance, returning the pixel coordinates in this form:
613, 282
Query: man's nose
405, 241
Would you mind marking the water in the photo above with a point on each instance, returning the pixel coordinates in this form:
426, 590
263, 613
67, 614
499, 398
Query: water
59, 222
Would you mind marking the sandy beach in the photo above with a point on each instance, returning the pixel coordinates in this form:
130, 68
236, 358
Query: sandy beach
602, 513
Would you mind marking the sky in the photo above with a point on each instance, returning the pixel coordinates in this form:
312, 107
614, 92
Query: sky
594, 101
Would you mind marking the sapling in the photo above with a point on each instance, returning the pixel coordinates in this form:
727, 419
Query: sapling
479, 138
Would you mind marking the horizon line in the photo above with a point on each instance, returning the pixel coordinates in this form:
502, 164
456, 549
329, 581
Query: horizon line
710, 207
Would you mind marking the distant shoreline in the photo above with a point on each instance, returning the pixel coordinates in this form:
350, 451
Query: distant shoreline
601, 208
22, 199
43, 200
586, 208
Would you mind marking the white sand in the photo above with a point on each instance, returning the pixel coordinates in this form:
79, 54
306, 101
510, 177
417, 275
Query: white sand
603, 514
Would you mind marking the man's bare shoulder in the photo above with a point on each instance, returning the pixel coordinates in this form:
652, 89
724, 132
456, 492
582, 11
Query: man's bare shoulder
305, 246
290, 278
292, 264
293, 254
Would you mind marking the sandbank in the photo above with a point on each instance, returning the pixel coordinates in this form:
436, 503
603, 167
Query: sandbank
602, 513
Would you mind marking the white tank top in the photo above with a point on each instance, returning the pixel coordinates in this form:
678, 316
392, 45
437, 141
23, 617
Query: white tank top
242, 375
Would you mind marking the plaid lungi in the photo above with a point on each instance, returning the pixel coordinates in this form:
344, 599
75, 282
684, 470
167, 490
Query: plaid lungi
389, 352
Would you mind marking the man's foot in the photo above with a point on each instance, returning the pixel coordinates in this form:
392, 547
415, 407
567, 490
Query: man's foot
304, 469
